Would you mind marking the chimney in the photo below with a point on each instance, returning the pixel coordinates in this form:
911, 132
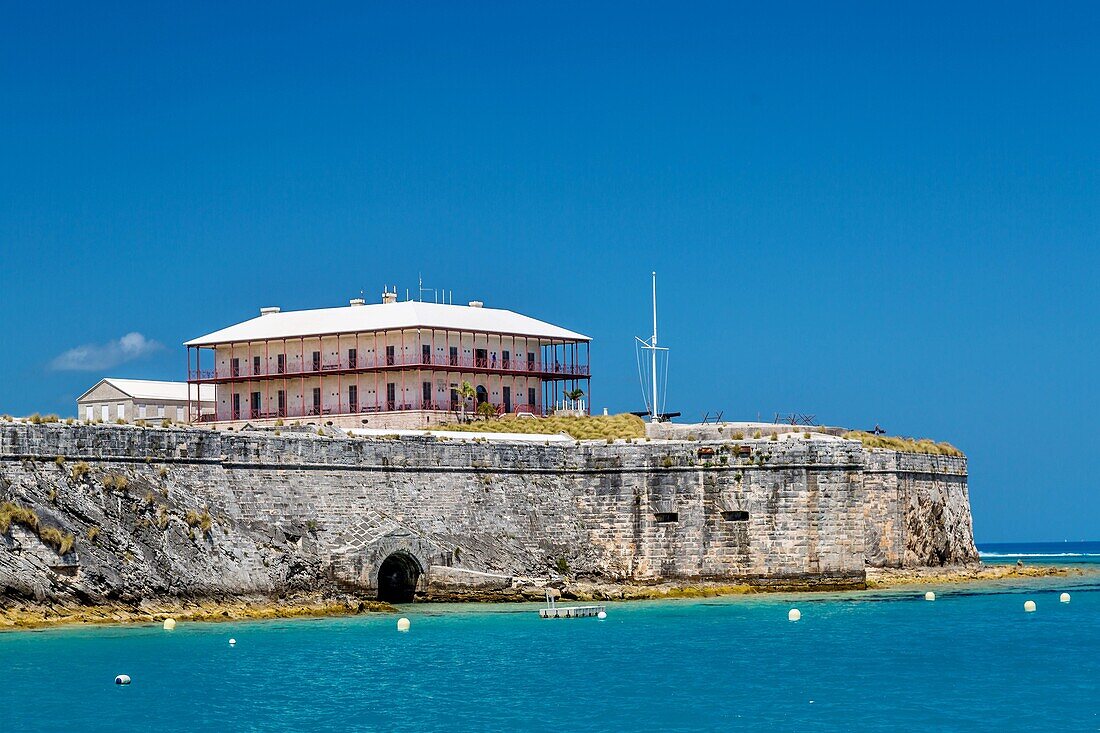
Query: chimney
357, 301
476, 304
269, 310
388, 297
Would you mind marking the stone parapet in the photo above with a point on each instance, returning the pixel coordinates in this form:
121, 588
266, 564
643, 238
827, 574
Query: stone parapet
300, 507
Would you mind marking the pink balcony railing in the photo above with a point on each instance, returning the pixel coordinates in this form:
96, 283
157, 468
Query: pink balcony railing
297, 410
297, 367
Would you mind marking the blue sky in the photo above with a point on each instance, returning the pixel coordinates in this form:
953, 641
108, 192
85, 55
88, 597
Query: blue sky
872, 212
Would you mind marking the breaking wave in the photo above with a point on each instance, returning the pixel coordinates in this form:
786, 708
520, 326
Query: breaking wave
1038, 554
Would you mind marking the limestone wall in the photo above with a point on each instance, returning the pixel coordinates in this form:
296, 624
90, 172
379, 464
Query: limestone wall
917, 510
296, 508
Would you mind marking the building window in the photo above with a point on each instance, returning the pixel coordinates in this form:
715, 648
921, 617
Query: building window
426, 395
89, 413
104, 412
235, 367
316, 400
280, 363
281, 397
120, 411
531, 404
666, 517
160, 410
256, 406
530, 361
255, 365
236, 415
353, 398
425, 354
453, 355
735, 516
506, 360
179, 414
389, 356
391, 396
353, 358
316, 361
481, 358
507, 399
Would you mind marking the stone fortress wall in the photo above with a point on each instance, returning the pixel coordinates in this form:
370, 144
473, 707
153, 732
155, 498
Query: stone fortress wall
466, 518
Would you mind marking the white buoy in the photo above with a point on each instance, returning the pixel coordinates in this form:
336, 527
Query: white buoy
929, 596
794, 614
1064, 598
1029, 606
403, 624
122, 679
169, 624
232, 642
601, 615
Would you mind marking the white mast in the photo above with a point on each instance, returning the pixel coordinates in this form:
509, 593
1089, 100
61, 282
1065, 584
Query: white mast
653, 348
653, 352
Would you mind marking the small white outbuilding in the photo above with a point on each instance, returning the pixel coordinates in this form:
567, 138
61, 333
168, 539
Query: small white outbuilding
144, 399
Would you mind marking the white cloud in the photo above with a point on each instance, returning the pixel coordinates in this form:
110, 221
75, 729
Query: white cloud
94, 357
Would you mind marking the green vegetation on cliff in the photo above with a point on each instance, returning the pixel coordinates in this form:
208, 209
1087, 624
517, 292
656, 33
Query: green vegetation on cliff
600, 427
907, 445
61, 542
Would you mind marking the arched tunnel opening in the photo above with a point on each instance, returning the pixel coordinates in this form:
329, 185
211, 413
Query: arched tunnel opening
397, 578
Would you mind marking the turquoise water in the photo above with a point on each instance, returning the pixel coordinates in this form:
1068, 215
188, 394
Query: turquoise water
969, 661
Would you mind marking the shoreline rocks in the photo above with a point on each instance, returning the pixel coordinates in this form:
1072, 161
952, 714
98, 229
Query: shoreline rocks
30, 615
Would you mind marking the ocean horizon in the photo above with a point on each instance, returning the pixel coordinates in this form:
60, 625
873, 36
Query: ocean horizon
1040, 552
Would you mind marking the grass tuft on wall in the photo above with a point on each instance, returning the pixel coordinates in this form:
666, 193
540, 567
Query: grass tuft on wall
599, 427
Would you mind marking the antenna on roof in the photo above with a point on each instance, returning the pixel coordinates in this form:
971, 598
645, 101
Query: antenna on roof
433, 291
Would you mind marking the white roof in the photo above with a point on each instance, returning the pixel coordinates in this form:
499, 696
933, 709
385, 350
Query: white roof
384, 317
148, 389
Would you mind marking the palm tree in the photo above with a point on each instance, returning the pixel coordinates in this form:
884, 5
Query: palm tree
486, 410
573, 395
465, 392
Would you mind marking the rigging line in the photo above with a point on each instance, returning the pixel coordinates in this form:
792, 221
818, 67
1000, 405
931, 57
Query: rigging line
664, 388
641, 379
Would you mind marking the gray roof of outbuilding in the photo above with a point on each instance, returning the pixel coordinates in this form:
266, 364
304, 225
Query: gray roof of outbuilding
149, 389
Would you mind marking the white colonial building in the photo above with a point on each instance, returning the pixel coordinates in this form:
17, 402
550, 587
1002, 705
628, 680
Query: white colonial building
143, 399
390, 364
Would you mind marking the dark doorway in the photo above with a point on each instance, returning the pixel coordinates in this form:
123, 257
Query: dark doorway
482, 394
397, 578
